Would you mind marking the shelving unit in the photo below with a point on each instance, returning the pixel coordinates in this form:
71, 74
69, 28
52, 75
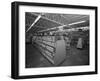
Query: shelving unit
53, 50
46, 45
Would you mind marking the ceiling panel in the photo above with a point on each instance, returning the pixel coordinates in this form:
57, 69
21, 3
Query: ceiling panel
29, 19
49, 20
47, 23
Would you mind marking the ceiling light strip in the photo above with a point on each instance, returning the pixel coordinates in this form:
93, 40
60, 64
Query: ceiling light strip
39, 16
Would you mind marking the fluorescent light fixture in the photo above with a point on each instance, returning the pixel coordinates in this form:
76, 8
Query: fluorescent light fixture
77, 22
34, 22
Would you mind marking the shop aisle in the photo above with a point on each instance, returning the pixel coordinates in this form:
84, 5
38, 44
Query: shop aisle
34, 57
73, 57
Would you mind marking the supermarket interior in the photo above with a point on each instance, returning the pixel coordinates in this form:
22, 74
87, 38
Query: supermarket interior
53, 39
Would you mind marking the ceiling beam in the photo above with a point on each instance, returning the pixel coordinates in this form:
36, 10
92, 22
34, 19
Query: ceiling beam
75, 17
48, 19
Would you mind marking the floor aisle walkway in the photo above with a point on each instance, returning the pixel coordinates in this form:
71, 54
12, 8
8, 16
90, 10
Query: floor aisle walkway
74, 56
34, 58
